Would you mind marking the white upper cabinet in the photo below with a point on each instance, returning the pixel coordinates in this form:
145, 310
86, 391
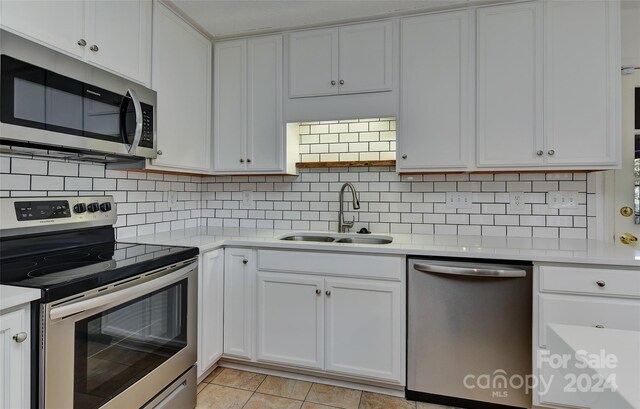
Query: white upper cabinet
57, 24
118, 35
509, 87
582, 82
434, 130
114, 35
181, 75
248, 126
342, 60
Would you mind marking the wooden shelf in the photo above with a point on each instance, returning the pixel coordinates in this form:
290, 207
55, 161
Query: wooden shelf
351, 164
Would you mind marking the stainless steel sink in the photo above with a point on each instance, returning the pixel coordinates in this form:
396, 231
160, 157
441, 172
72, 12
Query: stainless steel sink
322, 239
338, 238
365, 240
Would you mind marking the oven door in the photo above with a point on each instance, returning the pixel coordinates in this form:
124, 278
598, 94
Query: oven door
120, 345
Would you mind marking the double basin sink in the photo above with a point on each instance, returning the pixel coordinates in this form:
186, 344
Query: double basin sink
337, 238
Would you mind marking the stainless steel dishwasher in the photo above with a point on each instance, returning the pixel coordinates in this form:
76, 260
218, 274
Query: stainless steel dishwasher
469, 332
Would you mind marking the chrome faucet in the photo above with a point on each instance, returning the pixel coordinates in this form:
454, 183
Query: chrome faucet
342, 224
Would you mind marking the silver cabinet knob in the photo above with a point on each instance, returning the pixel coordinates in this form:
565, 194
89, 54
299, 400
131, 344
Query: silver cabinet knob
245, 261
328, 292
241, 160
82, 42
551, 152
601, 283
333, 82
404, 156
20, 337
318, 291
599, 326
94, 48
540, 153
159, 153
341, 82
248, 160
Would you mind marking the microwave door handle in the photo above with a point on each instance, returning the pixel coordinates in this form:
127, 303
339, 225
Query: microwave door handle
121, 296
138, 132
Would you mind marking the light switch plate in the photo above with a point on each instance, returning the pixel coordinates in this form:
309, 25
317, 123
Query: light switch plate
459, 200
247, 200
172, 199
516, 202
563, 200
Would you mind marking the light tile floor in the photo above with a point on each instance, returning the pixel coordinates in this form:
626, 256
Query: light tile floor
227, 388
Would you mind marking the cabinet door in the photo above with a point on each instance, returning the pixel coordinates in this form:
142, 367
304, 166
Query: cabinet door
184, 92
290, 321
582, 82
434, 126
365, 57
57, 24
230, 105
14, 360
364, 328
239, 277
265, 144
121, 31
313, 63
210, 308
509, 100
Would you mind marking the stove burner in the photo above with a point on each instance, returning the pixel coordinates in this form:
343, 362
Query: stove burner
74, 255
19, 265
70, 269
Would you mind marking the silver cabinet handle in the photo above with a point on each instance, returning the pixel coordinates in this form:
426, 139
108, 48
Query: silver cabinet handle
333, 82
94, 48
159, 153
20, 337
599, 326
82, 42
341, 82
551, 152
404, 156
241, 160
540, 153
601, 283
463, 271
318, 291
245, 261
328, 292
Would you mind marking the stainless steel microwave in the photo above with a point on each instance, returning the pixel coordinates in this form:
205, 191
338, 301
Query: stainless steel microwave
54, 102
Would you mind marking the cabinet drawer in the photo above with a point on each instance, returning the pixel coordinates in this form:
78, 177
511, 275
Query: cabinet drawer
352, 265
587, 311
585, 280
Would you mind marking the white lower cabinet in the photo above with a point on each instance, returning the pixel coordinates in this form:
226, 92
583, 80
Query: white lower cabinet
239, 302
290, 319
363, 326
14, 358
210, 309
310, 313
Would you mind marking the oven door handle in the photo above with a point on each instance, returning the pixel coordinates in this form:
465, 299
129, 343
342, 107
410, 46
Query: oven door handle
122, 295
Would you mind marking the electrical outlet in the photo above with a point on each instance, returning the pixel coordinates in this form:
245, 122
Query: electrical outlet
247, 200
516, 202
459, 200
172, 199
563, 200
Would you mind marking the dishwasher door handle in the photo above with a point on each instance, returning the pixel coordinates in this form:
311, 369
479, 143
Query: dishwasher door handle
475, 272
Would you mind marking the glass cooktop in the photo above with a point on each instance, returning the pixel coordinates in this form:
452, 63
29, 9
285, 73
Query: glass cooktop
62, 273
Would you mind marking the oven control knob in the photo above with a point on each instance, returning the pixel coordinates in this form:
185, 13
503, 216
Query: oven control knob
93, 207
80, 208
105, 207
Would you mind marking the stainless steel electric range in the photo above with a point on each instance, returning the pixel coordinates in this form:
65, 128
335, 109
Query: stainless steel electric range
116, 323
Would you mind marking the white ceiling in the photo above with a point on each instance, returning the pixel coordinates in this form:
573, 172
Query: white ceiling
223, 18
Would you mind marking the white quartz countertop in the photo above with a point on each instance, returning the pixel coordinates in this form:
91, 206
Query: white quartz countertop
11, 296
506, 248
